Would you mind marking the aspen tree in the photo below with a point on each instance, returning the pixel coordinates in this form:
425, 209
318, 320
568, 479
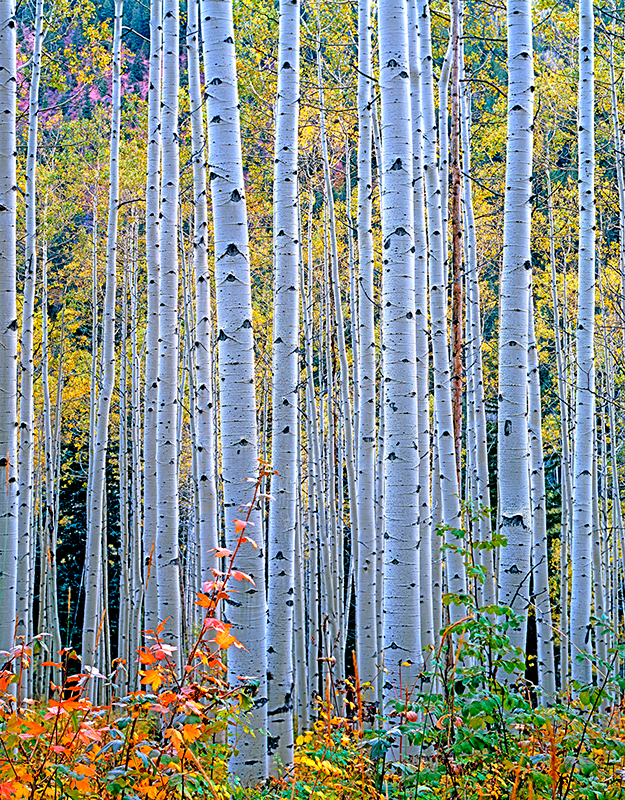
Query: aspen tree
402, 651
236, 361
203, 348
366, 643
152, 258
428, 632
95, 533
540, 546
481, 500
282, 534
447, 475
456, 233
8, 326
513, 443
26, 439
167, 554
581, 538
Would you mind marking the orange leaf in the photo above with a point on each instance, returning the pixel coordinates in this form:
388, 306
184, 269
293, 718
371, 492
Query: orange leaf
152, 677
221, 552
241, 576
251, 541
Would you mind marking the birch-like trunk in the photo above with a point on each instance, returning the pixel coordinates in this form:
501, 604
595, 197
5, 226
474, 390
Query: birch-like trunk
95, 533
285, 384
167, 553
581, 537
153, 260
481, 500
26, 439
236, 364
447, 476
8, 326
402, 651
203, 346
513, 443
540, 545
428, 631
366, 643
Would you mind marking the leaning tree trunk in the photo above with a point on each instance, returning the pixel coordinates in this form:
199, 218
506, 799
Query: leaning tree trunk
285, 384
26, 439
236, 363
513, 442
581, 538
93, 560
402, 651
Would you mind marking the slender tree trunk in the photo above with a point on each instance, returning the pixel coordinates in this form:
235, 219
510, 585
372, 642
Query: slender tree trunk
428, 632
540, 545
153, 260
366, 644
447, 476
8, 326
203, 348
513, 443
481, 501
285, 385
402, 653
581, 538
95, 533
167, 553
26, 438
456, 235
236, 361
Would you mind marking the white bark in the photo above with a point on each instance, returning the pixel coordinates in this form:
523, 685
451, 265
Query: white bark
95, 533
26, 438
428, 634
203, 347
513, 444
167, 554
447, 473
540, 545
402, 651
236, 361
581, 538
8, 327
152, 258
366, 643
481, 500
285, 379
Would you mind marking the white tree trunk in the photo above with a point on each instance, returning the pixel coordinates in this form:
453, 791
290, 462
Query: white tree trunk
26, 438
581, 538
167, 553
513, 443
428, 634
285, 384
93, 557
203, 347
481, 500
366, 643
236, 363
8, 327
402, 651
540, 545
152, 258
447, 473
